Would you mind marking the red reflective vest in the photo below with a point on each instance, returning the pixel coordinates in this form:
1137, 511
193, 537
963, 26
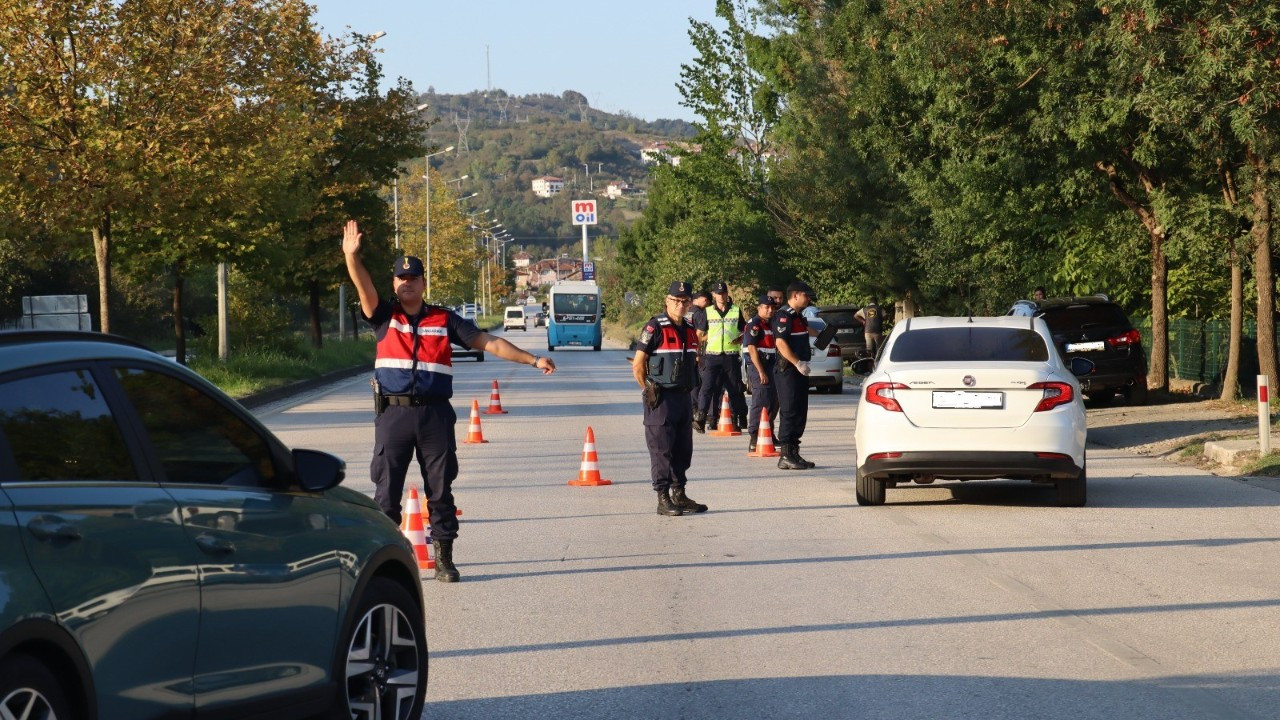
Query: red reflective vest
400, 370
673, 360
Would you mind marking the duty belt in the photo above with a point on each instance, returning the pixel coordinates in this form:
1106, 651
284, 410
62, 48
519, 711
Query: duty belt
411, 400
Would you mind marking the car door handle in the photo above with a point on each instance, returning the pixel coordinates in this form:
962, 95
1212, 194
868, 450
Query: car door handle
52, 528
214, 545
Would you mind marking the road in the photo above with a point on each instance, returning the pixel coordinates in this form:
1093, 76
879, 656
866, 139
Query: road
1157, 600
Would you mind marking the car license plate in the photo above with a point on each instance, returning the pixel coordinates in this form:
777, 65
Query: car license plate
963, 399
1086, 346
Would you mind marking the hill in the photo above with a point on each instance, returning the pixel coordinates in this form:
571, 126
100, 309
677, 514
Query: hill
505, 141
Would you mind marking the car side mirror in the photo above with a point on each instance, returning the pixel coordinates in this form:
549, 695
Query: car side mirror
318, 471
1081, 366
863, 367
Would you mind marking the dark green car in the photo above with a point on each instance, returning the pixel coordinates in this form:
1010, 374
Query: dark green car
162, 555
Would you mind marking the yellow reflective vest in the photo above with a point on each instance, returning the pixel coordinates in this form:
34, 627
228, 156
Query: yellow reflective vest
722, 329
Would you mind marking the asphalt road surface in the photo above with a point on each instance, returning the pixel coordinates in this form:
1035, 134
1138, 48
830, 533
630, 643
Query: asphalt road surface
1160, 599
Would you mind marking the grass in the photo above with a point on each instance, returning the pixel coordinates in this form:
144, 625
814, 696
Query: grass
253, 370
1266, 466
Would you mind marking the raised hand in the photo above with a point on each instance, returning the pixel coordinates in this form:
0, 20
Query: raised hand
351, 238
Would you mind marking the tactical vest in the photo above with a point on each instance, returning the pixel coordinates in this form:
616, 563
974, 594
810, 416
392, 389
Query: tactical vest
721, 329
765, 344
674, 363
792, 328
415, 360
874, 318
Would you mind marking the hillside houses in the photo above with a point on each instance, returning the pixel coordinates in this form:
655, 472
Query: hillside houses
533, 275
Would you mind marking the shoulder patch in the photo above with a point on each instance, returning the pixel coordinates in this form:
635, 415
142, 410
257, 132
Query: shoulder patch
647, 334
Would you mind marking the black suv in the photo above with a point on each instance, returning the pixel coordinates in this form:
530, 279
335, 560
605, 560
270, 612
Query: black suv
1096, 328
849, 330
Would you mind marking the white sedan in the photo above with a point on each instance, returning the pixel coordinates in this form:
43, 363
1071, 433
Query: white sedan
969, 399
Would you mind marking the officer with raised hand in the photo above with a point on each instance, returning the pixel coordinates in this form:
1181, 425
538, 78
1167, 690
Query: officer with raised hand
666, 367
759, 351
791, 375
413, 382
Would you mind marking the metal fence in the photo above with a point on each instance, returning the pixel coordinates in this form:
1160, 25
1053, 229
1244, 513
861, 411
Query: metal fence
1198, 348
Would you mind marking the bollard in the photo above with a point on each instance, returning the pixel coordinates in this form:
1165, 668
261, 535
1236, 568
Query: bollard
1264, 417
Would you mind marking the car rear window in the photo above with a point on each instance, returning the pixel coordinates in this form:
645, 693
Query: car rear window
969, 344
840, 318
1079, 317
515, 313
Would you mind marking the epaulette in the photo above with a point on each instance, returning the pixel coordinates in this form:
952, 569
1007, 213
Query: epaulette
662, 319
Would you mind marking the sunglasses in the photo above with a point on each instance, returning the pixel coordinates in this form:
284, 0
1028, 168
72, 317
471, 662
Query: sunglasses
680, 300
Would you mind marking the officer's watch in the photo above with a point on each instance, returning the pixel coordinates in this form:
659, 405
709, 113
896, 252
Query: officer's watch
536, 358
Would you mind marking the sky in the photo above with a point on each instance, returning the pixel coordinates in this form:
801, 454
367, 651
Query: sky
620, 55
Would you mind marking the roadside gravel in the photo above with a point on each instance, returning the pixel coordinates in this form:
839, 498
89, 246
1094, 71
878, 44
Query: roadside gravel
1164, 428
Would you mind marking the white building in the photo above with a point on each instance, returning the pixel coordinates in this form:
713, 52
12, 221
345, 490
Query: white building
617, 189
547, 186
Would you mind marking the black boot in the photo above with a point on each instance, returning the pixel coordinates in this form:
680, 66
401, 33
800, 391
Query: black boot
682, 501
699, 422
741, 422
795, 455
666, 507
788, 460
445, 570
751, 443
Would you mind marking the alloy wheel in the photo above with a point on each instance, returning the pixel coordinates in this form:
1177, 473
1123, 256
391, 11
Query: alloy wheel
26, 704
382, 666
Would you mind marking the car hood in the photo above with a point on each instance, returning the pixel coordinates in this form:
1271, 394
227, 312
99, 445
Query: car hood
352, 497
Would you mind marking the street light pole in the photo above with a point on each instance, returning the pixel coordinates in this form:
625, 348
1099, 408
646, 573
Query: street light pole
427, 176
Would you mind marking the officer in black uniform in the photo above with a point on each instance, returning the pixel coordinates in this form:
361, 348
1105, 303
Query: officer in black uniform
666, 367
413, 382
696, 314
791, 375
759, 351
872, 318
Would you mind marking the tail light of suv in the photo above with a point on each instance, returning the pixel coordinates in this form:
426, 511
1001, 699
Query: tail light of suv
1124, 340
833, 350
881, 394
1055, 394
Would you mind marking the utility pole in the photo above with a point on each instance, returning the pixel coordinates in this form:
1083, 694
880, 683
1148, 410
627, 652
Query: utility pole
395, 204
590, 185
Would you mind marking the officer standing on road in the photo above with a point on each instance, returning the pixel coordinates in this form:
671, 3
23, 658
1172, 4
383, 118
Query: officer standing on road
721, 371
665, 366
413, 382
758, 346
791, 375
697, 316
872, 325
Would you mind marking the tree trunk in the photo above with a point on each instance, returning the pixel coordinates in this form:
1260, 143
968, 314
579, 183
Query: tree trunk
1231, 378
355, 329
1262, 275
102, 253
179, 327
317, 338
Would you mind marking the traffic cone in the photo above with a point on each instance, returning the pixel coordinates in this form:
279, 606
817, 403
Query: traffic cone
589, 474
495, 402
473, 432
726, 428
414, 531
764, 438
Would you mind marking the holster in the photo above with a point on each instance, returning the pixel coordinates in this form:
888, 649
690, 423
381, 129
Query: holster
379, 400
652, 394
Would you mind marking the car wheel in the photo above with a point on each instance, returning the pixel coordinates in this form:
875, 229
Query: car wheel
838, 388
596, 348
29, 690
1136, 394
551, 348
386, 656
869, 491
480, 357
1072, 491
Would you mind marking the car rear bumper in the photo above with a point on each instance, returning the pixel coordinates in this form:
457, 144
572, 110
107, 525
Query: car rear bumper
1110, 380
970, 465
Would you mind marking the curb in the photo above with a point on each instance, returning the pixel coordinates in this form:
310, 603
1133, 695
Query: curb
264, 397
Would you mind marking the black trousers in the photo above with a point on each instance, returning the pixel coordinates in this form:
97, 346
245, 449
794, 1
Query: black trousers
721, 373
793, 403
426, 431
762, 396
668, 433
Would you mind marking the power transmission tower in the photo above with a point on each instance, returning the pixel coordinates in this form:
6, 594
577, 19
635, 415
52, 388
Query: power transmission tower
502, 103
462, 131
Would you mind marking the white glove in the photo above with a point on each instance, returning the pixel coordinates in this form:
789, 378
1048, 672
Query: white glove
803, 368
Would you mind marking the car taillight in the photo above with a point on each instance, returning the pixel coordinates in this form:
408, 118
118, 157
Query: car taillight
1129, 339
881, 394
1055, 394
884, 456
833, 350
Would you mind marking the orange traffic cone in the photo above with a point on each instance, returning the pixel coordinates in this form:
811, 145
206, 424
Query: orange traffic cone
473, 432
589, 474
726, 428
764, 438
495, 402
414, 531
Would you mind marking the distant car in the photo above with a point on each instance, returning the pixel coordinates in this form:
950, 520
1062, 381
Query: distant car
826, 369
849, 329
513, 317
1095, 328
540, 320
460, 351
967, 399
163, 555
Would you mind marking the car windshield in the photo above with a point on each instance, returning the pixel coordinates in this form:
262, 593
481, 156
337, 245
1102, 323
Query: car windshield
968, 344
1074, 317
575, 304
514, 313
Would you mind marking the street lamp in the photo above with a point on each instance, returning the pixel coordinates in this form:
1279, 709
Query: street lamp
375, 36
458, 180
426, 175
467, 197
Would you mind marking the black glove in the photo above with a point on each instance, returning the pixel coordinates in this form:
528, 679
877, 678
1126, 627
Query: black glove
652, 394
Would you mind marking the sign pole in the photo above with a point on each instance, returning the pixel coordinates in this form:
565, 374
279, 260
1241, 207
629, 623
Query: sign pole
1264, 417
585, 254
